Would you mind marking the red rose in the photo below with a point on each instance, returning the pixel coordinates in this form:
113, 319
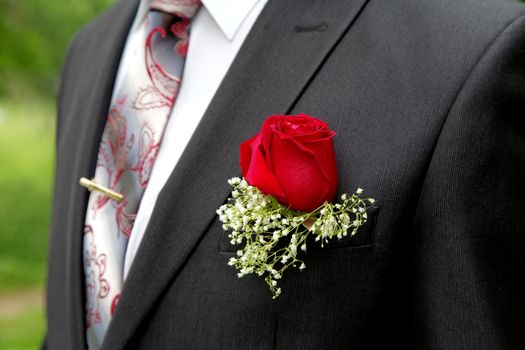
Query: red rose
292, 159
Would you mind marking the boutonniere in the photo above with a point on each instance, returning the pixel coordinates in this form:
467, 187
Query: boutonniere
285, 200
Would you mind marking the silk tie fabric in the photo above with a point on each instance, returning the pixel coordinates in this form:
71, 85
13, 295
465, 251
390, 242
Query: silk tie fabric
131, 138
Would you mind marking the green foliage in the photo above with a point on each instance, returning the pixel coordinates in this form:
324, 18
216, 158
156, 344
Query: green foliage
26, 150
34, 35
22, 331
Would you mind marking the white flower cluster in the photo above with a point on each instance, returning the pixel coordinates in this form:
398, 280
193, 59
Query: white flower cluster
334, 220
273, 234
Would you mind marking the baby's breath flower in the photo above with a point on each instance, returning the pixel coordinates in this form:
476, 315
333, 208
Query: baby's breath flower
264, 226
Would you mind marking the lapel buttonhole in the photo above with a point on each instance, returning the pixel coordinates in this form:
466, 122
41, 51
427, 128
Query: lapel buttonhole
319, 27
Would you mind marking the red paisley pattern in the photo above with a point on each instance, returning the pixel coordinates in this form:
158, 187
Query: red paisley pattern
165, 85
148, 147
97, 287
180, 30
124, 219
114, 303
113, 153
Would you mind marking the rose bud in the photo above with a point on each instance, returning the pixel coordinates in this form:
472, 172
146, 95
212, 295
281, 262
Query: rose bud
293, 160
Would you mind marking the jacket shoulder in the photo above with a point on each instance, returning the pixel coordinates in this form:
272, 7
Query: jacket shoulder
478, 14
110, 20
467, 20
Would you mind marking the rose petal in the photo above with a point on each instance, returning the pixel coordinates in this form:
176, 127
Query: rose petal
258, 173
299, 174
325, 156
246, 154
302, 127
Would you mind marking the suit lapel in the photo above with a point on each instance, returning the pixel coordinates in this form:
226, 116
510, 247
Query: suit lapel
283, 51
83, 115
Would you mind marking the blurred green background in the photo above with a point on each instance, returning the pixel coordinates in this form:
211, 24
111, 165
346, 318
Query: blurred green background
33, 37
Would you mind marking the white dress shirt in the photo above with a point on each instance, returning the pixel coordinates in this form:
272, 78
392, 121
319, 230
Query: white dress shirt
216, 34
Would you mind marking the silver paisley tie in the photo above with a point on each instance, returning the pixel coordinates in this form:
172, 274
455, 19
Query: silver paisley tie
131, 139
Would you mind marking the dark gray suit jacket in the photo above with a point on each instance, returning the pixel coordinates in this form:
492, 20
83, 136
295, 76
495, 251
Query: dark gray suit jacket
428, 101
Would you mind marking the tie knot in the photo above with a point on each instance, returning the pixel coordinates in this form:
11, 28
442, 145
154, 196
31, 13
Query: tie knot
180, 8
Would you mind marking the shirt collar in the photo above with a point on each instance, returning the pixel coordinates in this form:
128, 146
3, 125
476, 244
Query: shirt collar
228, 14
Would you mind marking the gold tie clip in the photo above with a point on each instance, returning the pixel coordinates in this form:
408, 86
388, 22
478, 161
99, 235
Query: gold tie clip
91, 185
